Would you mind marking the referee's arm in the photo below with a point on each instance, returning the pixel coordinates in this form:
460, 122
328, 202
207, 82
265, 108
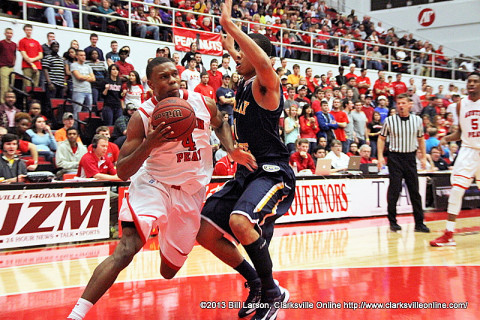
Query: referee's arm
380, 149
423, 150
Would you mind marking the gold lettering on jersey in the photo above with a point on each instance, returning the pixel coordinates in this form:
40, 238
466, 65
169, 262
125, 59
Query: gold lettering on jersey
242, 107
243, 146
188, 156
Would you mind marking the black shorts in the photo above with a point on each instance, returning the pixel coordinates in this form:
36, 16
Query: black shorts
262, 196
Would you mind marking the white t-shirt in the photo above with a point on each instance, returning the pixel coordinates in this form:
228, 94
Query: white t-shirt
192, 78
338, 162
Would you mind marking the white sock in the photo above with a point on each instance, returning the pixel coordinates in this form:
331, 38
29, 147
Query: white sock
451, 226
80, 309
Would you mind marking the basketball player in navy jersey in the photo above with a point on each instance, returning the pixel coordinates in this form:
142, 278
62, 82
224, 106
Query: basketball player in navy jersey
247, 206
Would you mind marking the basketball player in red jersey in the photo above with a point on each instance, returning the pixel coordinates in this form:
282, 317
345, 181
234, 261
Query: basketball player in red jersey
168, 182
467, 163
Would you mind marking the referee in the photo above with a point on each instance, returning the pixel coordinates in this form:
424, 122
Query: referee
405, 132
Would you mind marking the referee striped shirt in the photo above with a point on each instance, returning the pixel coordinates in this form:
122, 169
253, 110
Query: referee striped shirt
402, 132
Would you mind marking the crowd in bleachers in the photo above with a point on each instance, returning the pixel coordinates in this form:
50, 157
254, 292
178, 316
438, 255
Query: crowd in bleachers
325, 115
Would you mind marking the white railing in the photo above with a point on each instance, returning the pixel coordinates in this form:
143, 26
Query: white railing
313, 53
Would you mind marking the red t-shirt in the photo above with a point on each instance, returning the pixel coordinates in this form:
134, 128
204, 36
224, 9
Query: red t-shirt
112, 152
369, 160
311, 84
368, 110
351, 75
8, 50
32, 48
124, 68
381, 86
224, 167
205, 90
340, 116
180, 69
399, 87
363, 80
215, 81
302, 163
90, 165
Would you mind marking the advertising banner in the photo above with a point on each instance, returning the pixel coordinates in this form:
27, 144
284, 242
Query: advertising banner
208, 43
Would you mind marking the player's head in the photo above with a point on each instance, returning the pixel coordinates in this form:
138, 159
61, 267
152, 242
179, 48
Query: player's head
244, 67
473, 84
163, 78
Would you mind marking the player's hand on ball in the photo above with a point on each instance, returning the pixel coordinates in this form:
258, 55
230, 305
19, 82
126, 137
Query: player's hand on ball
244, 158
161, 134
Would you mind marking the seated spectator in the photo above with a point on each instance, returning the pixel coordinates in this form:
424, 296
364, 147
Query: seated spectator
8, 110
23, 122
353, 150
154, 19
95, 164
68, 122
374, 60
25, 148
12, 169
430, 166
120, 129
69, 153
432, 140
143, 27
301, 159
339, 159
365, 152
438, 161
220, 153
106, 9
65, 15
34, 108
112, 149
319, 152
43, 138
225, 167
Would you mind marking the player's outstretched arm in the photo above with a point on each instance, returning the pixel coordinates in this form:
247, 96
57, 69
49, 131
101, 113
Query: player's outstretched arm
266, 85
224, 133
137, 147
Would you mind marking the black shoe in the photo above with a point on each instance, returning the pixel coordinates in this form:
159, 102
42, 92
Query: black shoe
253, 298
272, 300
395, 227
422, 228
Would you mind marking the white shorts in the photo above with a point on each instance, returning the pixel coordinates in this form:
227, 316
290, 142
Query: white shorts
150, 203
466, 167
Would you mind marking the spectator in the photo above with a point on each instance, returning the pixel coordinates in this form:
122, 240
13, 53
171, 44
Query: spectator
32, 53
189, 55
204, 88
107, 10
8, 110
199, 66
95, 164
373, 131
25, 148
429, 109
69, 153
68, 122
12, 169
341, 119
365, 152
225, 167
112, 149
54, 71
359, 120
301, 159
46, 46
191, 75
214, 76
290, 101
154, 19
124, 68
353, 150
432, 140
226, 98
374, 60
339, 159
319, 152
41, 135
327, 123
69, 57
8, 57
23, 121
93, 46
382, 108
112, 108
351, 74
294, 78
301, 97
225, 68
180, 68
363, 82
65, 15
340, 78
82, 76
234, 81
438, 161
34, 108
309, 127
100, 72
120, 129
352, 85
143, 27
133, 91
112, 56
399, 86
292, 129
417, 104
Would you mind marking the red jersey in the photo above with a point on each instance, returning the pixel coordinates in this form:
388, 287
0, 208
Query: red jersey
32, 48
384, 86
224, 167
399, 87
112, 152
302, 163
340, 116
351, 75
205, 90
90, 165
215, 80
363, 80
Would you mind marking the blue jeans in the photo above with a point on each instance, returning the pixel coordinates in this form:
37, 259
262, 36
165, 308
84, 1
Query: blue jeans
144, 29
109, 114
50, 14
81, 97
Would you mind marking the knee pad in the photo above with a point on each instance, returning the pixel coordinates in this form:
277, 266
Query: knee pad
455, 200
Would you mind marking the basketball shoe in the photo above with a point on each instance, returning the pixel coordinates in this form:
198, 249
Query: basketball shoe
253, 298
445, 240
271, 298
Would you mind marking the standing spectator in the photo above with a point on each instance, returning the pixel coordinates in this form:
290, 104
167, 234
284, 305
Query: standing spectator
311, 81
292, 129
132, 91
351, 74
417, 103
225, 68
120, 129
382, 108
8, 110
381, 87
82, 76
100, 72
294, 78
8, 57
51, 13
301, 97
69, 153
226, 166
204, 88
112, 56
180, 68
191, 75
32, 53
363, 82
69, 58
189, 55
290, 101
309, 127
340, 78
214, 76
405, 132
46, 46
95, 164
68, 122
226, 98
200, 67
12, 169
341, 119
399, 86
54, 71
123, 66
327, 123
112, 107
41, 135
301, 159
93, 46
373, 131
359, 123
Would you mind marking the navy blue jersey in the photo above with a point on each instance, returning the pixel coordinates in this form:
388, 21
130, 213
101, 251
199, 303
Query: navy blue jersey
256, 129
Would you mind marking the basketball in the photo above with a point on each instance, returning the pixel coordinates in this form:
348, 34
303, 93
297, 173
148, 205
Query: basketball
178, 114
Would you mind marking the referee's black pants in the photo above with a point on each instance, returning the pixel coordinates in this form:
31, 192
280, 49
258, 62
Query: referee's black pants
403, 166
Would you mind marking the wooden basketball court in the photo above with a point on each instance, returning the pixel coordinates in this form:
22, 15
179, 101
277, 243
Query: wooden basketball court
332, 269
